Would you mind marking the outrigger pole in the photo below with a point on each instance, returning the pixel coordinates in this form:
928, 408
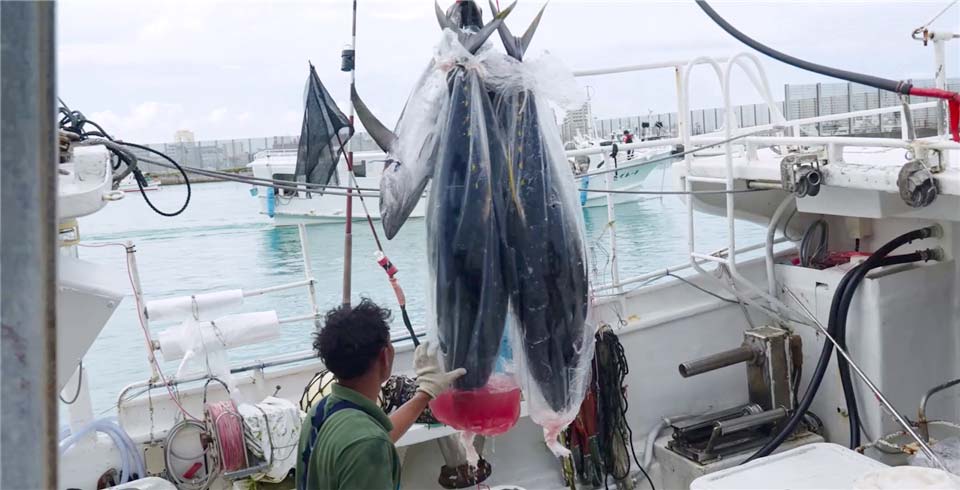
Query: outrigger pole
349, 63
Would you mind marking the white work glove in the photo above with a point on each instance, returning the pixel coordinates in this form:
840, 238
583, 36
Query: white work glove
431, 378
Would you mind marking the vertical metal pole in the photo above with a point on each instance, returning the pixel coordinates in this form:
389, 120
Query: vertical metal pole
611, 222
138, 297
308, 269
850, 108
816, 107
28, 218
940, 83
786, 107
348, 227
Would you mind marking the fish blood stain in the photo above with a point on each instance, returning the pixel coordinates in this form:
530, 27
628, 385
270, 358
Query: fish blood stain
489, 410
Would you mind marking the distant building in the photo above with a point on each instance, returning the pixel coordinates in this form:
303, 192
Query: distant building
577, 120
183, 136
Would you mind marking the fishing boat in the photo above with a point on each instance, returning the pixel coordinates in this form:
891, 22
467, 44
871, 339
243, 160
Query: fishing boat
291, 207
641, 162
720, 375
129, 184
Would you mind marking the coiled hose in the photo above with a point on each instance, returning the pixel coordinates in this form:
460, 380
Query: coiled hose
878, 259
132, 466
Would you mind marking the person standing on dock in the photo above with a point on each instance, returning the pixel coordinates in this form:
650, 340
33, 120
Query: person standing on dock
347, 441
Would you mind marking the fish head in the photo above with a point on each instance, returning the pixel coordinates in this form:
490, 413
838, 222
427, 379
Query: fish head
465, 14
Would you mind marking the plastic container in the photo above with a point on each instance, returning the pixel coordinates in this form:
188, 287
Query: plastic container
489, 410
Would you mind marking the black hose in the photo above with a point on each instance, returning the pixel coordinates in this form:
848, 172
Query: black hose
138, 174
869, 80
875, 260
409, 325
842, 299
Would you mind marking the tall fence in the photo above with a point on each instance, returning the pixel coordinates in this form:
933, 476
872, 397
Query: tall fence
799, 102
231, 153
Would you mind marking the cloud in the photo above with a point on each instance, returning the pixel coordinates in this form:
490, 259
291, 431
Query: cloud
144, 122
237, 68
217, 115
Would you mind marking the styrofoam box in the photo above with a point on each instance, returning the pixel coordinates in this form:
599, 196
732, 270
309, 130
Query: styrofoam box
817, 466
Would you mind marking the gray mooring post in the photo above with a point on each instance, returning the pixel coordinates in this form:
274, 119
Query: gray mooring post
28, 241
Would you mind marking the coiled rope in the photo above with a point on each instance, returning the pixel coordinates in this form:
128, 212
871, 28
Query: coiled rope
228, 429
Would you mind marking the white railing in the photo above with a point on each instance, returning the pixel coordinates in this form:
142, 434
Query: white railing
749, 139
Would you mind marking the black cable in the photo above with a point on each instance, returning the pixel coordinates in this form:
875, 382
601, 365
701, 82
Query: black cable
827, 351
74, 121
409, 325
612, 369
840, 319
138, 176
79, 385
869, 80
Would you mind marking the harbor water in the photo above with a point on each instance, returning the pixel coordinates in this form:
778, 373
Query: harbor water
222, 242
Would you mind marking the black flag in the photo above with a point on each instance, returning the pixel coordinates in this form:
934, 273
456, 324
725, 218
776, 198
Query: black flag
325, 129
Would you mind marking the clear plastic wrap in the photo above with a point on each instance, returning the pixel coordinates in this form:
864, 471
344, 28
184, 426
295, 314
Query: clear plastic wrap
413, 152
506, 244
546, 270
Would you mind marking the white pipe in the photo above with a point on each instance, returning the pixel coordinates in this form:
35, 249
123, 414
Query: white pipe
688, 160
731, 221
771, 231
612, 224
138, 299
632, 68
272, 289
708, 257
678, 267
300, 318
847, 115
594, 150
304, 250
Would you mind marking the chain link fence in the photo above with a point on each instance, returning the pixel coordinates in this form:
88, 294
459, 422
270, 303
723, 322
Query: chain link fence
232, 153
799, 102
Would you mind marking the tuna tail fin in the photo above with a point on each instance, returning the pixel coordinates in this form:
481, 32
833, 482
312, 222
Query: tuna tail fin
473, 40
384, 138
517, 46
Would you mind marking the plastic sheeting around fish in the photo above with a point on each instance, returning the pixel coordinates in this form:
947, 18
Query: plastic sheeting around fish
547, 272
504, 228
465, 224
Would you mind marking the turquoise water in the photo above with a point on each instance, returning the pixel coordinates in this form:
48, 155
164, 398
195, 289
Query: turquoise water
222, 242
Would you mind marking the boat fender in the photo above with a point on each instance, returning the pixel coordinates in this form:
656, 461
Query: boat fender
271, 201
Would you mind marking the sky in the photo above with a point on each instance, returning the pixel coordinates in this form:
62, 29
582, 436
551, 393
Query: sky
236, 69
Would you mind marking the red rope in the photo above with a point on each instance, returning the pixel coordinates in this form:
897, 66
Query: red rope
228, 427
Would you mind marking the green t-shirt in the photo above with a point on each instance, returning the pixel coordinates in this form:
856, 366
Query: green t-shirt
353, 449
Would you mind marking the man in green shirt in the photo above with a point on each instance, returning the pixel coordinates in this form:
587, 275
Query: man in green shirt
347, 441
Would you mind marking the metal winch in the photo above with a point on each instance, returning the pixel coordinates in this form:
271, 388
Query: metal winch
773, 357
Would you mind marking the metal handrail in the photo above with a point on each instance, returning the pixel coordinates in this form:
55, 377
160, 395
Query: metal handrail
922, 421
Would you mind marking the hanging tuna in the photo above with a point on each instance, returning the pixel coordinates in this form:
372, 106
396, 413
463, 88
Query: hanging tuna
547, 272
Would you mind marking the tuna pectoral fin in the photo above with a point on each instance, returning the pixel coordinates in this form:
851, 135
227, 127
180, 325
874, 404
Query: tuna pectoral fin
517, 46
384, 138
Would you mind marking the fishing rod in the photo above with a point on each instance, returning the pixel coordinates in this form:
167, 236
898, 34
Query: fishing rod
901, 87
349, 63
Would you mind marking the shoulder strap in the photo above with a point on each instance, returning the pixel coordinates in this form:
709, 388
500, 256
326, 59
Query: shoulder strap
316, 422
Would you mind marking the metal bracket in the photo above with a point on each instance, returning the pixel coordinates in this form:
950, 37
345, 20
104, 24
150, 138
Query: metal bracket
918, 187
800, 173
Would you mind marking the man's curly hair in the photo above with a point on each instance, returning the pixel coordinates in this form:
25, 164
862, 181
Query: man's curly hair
352, 337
